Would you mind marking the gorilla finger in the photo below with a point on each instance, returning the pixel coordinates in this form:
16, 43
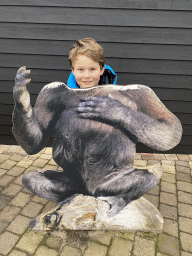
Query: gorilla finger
88, 115
21, 69
23, 82
86, 103
84, 109
90, 98
22, 74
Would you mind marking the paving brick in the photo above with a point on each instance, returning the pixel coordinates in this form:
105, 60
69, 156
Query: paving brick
3, 226
39, 200
50, 205
4, 200
9, 213
185, 225
52, 162
15, 171
40, 163
44, 156
183, 157
2, 172
186, 241
3, 158
16, 158
170, 227
48, 151
141, 163
153, 162
19, 225
143, 247
168, 178
54, 242
18, 180
168, 187
4, 147
184, 186
7, 242
184, 197
168, 162
71, 251
94, 249
167, 198
8, 164
120, 247
50, 167
159, 156
101, 236
182, 163
152, 199
128, 235
168, 211
12, 190
32, 209
154, 191
44, 251
168, 168
171, 157
185, 210
184, 169
183, 177
29, 242
15, 148
25, 163
147, 156
186, 254
137, 156
168, 244
17, 253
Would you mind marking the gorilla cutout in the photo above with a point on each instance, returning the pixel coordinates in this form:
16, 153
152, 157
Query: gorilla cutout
95, 131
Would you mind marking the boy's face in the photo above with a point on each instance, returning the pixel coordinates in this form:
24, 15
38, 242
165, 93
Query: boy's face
87, 72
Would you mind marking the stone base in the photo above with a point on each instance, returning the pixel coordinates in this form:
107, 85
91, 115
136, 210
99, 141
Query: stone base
89, 213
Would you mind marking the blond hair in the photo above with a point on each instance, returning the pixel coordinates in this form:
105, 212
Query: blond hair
88, 47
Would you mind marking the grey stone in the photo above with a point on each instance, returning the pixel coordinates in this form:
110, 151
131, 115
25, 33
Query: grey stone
90, 213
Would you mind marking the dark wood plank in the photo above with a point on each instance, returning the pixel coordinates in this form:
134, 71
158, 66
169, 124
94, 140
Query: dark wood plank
7, 130
118, 50
124, 4
173, 106
43, 76
99, 33
99, 16
119, 65
180, 149
163, 93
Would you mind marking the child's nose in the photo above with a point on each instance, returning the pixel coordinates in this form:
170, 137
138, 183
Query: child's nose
87, 73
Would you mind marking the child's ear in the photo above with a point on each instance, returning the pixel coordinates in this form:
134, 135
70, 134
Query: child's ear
102, 70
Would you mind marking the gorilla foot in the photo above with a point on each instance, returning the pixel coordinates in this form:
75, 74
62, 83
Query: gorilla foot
117, 204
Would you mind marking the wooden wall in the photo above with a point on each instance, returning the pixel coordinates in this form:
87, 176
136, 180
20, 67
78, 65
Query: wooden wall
146, 42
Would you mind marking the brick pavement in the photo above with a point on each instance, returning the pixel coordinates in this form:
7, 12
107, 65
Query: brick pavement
172, 196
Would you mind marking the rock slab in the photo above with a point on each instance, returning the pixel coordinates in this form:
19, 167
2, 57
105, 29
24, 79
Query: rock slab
90, 213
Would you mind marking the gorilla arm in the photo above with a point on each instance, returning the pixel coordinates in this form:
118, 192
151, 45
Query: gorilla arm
152, 123
31, 127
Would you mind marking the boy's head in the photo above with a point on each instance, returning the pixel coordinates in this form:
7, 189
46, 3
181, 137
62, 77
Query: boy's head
87, 62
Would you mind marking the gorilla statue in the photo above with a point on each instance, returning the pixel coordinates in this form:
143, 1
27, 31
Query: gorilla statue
94, 131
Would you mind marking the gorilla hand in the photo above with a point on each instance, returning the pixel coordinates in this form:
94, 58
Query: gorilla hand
101, 108
20, 93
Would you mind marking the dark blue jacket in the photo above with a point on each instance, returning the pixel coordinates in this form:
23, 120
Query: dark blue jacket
108, 74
